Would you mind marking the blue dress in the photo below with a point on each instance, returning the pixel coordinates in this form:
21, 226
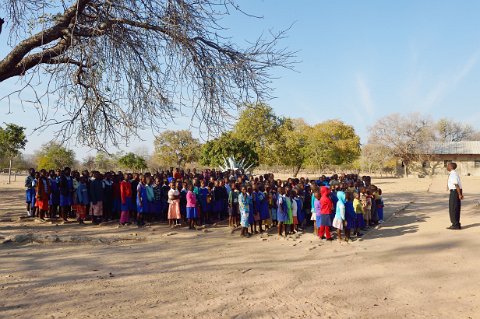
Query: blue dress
263, 202
251, 218
300, 212
65, 195
244, 208
282, 209
55, 193
350, 217
142, 190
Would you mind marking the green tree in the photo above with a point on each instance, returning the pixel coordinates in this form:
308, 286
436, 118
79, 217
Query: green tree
214, 151
55, 156
176, 148
132, 161
12, 140
332, 143
293, 135
104, 161
259, 124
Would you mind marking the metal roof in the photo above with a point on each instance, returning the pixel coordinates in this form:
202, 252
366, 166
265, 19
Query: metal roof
454, 148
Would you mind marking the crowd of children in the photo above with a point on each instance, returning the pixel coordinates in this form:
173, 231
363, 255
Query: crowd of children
346, 203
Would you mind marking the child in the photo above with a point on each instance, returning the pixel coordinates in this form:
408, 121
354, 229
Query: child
157, 199
82, 200
282, 214
349, 216
251, 217
150, 198
339, 219
244, 207
54, 195
126, 199
300, 212
263, 207
289, 220
66, 189
174, 206
42, 194
315, 214
380, 206
30, 192
142, 201
359, 220
256, 208
233, 206
96, 198
272, 205
294, 227
366, 206
326, 205
192, 213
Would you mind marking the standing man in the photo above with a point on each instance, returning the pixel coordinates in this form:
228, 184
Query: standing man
456, 195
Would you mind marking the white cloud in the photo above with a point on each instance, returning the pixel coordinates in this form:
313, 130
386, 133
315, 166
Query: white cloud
449, 82
365, 95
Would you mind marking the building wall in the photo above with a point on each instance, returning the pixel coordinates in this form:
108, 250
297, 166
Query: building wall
465, 166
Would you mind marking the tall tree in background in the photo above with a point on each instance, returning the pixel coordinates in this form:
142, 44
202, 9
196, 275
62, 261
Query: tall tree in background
176, 148
116, 67
12, 140
450, 131
55, 156
406, 136
133, 162
259, 124
294, 144
215, 151
332, 143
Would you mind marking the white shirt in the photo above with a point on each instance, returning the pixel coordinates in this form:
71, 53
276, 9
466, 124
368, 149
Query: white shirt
294, 208
453, 179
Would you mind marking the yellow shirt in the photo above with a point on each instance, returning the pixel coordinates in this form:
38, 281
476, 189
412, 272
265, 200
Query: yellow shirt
357, 206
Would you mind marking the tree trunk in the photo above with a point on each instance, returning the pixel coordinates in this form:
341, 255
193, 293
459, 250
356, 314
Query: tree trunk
296, 170
405, 170
9, 171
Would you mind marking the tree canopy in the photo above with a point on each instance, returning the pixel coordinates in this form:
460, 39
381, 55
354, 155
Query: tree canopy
176, 148
132, 161
55, 156
215, 151
12, 140
112, 68
259, 123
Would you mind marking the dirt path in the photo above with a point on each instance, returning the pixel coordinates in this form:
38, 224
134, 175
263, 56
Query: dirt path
410, 267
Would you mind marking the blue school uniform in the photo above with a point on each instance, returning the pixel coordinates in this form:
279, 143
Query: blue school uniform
300, 212
142, 195
30, 191
350, 216
251, 219
263, 202
82, 194
66, 185
202, 198
55, 193
273, 209
282, 210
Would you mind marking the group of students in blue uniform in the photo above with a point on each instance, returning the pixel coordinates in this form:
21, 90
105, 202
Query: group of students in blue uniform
254, 203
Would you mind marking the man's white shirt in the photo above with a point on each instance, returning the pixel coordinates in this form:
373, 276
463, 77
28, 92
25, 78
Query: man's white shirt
453, 179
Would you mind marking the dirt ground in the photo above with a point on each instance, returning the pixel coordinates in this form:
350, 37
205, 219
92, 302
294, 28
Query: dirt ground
409, 267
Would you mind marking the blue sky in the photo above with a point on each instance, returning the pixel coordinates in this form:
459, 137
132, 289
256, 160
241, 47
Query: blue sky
359, 61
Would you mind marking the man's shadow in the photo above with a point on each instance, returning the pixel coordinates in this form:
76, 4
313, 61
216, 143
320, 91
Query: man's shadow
471, 226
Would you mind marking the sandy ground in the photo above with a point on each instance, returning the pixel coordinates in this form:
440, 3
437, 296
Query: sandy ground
410, 267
